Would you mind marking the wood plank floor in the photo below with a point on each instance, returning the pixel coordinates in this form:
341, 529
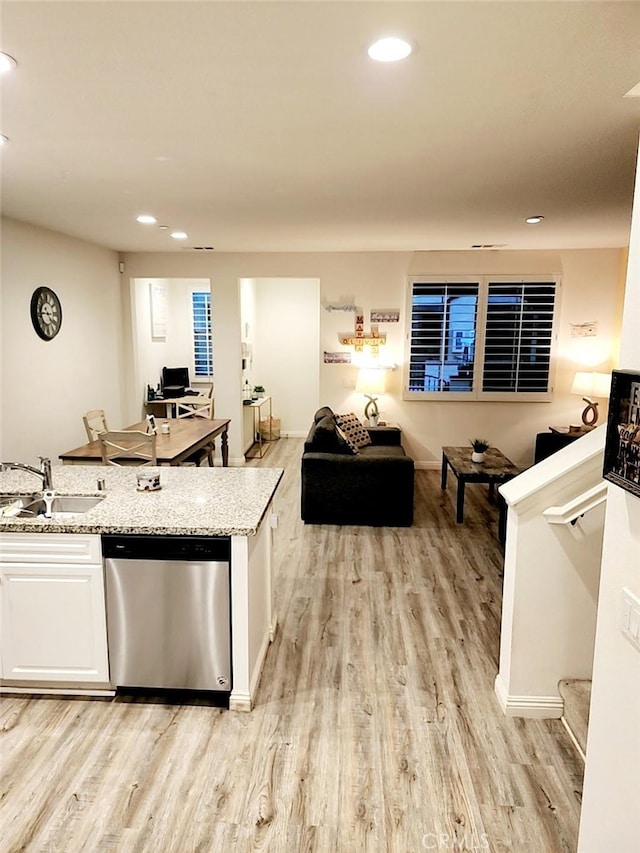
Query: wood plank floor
376, 726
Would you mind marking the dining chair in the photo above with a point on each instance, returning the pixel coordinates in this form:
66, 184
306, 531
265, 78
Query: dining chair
195, 407
199, 407
128, 447
95, 422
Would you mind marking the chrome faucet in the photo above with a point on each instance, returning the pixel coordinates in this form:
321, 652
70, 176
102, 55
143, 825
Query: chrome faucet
44, 472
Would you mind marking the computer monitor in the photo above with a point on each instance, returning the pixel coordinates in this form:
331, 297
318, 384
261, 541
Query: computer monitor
173, 376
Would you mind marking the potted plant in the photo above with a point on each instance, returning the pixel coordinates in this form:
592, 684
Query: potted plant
479, 448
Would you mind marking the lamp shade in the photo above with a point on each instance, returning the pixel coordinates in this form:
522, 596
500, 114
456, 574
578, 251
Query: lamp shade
591, 384
371, 381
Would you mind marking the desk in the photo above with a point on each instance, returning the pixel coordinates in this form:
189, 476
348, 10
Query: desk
495, 469
187, 436
168, 405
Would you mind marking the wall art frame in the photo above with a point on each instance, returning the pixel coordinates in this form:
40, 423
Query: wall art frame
158, 310
622, 444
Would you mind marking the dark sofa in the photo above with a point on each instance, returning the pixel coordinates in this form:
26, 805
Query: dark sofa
371, 487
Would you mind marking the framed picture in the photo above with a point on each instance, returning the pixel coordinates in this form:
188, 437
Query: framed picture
158, 310
385, 315
337, 357
622, 446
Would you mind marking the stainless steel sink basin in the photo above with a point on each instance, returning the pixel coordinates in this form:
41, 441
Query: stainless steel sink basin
11, 503
62, 506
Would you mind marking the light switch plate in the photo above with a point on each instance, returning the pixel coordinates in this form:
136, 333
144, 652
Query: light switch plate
630, 622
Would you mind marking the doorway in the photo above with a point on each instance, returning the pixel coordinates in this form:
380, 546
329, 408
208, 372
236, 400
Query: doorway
280, 330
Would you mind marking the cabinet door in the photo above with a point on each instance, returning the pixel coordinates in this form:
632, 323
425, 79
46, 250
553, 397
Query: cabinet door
53, 625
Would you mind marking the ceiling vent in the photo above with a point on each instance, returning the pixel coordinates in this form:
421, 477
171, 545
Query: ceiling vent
488, 245
197, 248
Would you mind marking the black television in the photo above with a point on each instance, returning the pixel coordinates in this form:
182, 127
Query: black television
175, 377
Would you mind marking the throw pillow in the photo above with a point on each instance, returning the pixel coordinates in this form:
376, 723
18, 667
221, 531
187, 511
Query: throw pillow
351, 447
354, 432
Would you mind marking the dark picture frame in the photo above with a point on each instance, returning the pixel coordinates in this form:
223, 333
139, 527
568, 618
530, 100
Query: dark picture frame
622, 445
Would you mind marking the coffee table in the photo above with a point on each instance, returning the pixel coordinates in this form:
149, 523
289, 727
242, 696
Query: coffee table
495, 469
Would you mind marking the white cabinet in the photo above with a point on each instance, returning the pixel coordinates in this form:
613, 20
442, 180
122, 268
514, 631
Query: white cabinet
52, 610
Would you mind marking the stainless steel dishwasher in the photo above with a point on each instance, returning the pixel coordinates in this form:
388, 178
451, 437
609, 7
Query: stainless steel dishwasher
168, 611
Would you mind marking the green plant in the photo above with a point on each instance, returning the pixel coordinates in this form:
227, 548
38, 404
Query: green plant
479, 444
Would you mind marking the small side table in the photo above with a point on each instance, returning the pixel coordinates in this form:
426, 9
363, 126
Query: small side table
258, 448
574, 431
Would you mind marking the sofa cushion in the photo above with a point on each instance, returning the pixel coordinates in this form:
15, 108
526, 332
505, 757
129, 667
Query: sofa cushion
324, 412
325, 438
353, 431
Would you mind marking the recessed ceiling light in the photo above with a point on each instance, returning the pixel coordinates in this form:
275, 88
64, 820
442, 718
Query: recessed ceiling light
533, 220
146, 219
178, 235
390, 49
7, 63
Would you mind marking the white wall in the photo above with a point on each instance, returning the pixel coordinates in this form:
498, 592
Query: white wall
551, 577
98, 332
592, 287
47, 385
610, 817
176, 350
286, 346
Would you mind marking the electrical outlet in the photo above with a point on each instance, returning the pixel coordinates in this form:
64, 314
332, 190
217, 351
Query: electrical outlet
630, 622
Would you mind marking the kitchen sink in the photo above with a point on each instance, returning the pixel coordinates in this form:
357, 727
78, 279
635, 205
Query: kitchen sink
62, 506
12, 502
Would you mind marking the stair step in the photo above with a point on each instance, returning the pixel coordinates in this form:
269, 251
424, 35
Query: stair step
576, 694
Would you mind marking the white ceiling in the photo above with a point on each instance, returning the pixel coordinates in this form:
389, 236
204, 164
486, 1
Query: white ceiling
264, 126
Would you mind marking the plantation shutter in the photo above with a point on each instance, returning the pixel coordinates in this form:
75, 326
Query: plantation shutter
518, 336
202, 347
443, 336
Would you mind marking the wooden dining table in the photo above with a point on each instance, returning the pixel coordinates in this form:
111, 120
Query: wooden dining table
187, 436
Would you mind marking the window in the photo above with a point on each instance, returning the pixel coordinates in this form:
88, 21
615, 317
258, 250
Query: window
480, 338
202, 341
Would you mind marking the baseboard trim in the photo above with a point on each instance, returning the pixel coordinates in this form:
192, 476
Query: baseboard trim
240, 701
8, 689
428, 466
542, 707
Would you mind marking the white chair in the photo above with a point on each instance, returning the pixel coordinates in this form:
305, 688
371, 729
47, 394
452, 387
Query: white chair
195, 407
198, 407
95, 422
128, 447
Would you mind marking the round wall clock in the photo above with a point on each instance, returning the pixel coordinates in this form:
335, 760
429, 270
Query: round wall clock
46, 313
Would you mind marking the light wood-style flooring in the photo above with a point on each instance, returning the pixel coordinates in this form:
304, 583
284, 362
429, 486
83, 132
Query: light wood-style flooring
376, 727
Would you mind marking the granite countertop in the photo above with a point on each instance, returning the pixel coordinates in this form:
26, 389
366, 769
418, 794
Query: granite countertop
198, 501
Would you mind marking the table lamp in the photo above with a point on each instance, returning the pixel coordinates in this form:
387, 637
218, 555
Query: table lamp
590, 384
371, 383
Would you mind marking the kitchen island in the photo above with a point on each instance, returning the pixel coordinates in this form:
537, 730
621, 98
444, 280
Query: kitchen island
221, 502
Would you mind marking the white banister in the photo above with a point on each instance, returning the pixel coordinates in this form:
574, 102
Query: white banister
573, 509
